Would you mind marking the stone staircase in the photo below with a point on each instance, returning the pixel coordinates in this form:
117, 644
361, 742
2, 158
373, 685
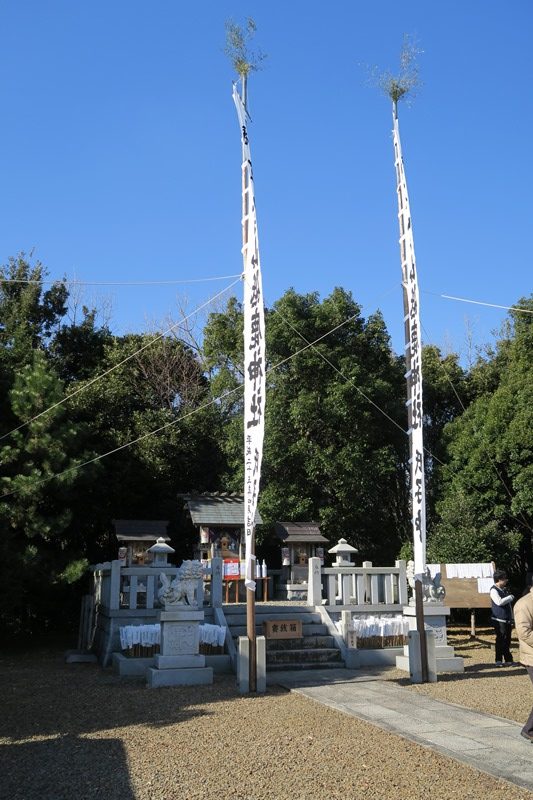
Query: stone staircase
315, 650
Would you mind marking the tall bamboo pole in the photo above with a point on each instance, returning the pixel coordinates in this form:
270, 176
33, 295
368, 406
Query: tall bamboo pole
413, 375
413, 356
250, 593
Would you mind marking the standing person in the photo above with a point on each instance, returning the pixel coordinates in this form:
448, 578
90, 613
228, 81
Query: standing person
524, 631
502, 617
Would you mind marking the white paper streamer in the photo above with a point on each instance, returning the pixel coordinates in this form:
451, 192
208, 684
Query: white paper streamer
413, 357
254, 347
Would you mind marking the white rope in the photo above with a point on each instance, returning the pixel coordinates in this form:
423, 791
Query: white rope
490, 305
76, 282
120, 363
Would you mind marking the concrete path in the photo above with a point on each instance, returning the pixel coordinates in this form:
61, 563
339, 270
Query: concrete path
488, 743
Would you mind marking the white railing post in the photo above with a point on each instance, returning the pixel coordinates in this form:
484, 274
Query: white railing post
346, 583
216, 582
360, 595
133, 591
374, 590
200, 592
150, 591
332, 590
314, 582
389, 588
403, 594
114, 586
346, 619
366, 584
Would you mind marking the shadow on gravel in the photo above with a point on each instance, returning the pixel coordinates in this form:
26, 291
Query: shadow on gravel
43, 696
474, 671
65, 768
482, 671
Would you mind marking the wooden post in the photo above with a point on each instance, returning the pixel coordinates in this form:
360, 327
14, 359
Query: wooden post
419, 607
472, 623
250, 630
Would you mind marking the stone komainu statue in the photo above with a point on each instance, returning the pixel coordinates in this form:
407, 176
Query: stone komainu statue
432, 589
183, 589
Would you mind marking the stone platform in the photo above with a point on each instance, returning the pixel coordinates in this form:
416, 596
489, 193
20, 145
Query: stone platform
434, 620
179, 663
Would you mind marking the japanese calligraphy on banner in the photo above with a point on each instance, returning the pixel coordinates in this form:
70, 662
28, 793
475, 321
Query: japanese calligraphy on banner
254, 348
413, 360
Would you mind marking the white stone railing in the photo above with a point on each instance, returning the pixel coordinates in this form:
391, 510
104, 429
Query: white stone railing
364, 589
119, 588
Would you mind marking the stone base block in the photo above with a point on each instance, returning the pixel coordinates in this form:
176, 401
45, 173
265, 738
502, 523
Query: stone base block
220, 664
131, 667
136, 667
453, 664
178, 677
243, 665
179, 662
370, 658
181, 614
441, 651
444, 651
402, 662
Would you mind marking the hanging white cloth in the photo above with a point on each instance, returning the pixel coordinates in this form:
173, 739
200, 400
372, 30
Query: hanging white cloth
145, 635
214, 635
484, 570
484, 585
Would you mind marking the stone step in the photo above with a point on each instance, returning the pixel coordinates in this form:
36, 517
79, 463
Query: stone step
305, 643
310, 629
322, 656
265, 609
306, 665
303, 616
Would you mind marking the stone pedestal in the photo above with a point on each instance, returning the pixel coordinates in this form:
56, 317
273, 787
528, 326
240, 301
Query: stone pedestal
415, 658
243, 665
434, 620
179, 663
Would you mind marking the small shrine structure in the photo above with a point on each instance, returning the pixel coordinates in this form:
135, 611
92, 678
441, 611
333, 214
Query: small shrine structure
300, 541
219, 519
135, 538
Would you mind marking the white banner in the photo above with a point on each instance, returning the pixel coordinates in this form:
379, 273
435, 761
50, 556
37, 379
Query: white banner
413, 360
254, 348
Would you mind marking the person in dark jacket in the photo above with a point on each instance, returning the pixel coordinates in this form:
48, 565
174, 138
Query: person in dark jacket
502, 617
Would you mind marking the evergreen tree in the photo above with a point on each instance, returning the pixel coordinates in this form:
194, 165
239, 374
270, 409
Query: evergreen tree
329, 455
488, 477
41, 550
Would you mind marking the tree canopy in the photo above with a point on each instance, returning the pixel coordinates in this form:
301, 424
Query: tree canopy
97, 426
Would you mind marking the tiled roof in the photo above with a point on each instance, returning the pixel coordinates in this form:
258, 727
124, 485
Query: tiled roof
300, 532
217, 509
138, 530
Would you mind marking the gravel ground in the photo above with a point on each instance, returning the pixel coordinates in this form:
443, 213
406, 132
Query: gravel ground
504, 691
75, 732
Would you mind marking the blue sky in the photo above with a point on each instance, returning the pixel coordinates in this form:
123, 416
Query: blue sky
120, 157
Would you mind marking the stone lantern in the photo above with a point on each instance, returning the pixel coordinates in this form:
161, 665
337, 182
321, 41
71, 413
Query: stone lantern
343, 551
160, 551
